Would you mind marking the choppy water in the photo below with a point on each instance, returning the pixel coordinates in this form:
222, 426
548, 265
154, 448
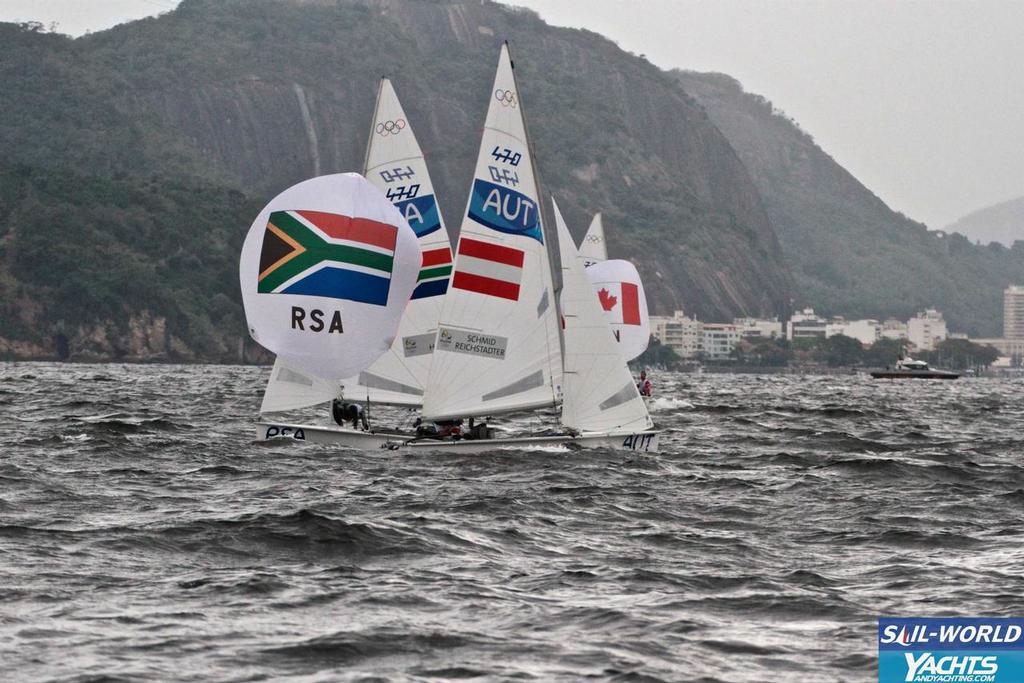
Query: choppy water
145, 536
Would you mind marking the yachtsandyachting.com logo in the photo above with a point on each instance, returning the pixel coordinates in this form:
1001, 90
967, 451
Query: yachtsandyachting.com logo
953, 650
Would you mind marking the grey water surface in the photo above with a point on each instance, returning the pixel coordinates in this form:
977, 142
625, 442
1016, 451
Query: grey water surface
145, 535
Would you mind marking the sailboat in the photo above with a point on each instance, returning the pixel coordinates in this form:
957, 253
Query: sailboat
499, 334
326, 271
599, 395
394, 164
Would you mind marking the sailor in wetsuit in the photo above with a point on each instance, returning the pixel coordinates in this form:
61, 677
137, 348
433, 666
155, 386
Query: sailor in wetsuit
349, 412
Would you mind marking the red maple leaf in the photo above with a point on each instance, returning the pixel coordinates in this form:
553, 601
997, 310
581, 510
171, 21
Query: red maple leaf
607, 300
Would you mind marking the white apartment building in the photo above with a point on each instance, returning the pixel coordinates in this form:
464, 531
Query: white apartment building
926, 328
864, 331
893, 329
718, 340
806, 324
1010, 350
678, 332
756, 328
1013, 312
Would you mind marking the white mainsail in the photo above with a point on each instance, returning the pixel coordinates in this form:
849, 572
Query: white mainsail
394, 164
592, 248
498, 347
325, 271
599, 394
621, 294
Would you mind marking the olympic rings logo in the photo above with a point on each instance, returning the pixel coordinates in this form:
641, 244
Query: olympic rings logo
593, 239
386, 128
506, 97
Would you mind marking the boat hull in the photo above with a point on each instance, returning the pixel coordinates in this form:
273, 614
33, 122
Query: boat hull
908, 374
643, 442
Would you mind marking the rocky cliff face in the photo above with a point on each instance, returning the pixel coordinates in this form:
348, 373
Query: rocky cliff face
611, 132
256, 95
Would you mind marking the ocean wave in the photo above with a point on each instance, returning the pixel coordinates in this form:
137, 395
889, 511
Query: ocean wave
139, 523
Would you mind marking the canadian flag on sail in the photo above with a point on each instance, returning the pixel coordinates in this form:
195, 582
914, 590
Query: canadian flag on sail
623, 305
621, 293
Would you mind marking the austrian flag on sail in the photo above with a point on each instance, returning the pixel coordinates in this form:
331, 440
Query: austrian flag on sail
325, 254
488, 268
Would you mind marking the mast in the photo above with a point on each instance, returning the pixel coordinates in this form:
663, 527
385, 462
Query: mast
552, 243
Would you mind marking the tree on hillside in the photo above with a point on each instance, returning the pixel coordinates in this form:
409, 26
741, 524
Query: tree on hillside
884, 352
659, 355
763, 352
840, 351
961, 354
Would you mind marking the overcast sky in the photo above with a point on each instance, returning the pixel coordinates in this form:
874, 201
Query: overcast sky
922, 100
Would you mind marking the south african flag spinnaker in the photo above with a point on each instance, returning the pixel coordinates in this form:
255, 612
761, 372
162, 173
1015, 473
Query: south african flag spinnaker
326, 254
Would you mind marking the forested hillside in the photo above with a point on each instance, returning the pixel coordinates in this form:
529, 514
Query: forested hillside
147, 149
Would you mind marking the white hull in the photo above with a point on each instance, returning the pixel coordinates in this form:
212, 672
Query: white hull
645, 442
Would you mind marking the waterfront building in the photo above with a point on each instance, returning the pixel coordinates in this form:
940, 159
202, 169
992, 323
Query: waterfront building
806, 325
864, 331
893, 329
678, 332
757, 328
1013, 312
926, 328
718, 340
1011, 350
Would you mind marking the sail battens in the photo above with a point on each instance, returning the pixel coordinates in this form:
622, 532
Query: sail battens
618, 398
543, 305
529, 382
368, 379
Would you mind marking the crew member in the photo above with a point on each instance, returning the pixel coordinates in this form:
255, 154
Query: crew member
442, 429
644, 385
349, 412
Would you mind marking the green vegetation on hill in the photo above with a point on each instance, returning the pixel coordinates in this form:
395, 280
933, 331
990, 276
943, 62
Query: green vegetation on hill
256, 95
851, 254
840, 351
134, 159
142, 257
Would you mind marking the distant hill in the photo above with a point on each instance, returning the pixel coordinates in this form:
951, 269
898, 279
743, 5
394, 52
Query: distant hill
1003, 223
849, 252
151, 146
